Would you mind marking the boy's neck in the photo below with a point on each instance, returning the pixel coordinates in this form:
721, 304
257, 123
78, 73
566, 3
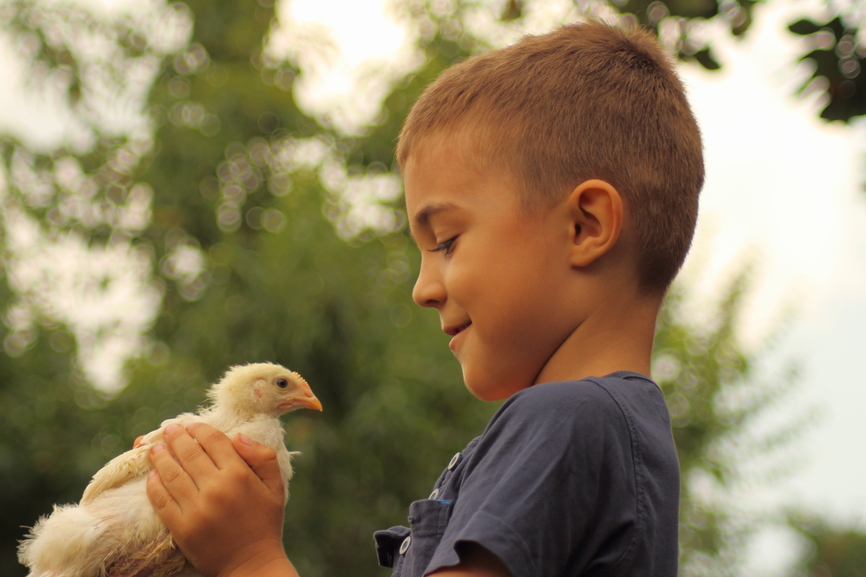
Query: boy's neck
617, 338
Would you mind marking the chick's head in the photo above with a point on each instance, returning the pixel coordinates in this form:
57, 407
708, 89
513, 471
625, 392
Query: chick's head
263, 388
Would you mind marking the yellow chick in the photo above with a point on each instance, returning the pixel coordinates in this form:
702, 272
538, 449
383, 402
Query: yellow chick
114, 531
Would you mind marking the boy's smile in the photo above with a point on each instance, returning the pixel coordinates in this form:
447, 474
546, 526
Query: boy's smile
496, 275
454, 331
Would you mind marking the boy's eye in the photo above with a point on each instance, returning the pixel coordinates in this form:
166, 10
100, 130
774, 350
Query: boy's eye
445, 245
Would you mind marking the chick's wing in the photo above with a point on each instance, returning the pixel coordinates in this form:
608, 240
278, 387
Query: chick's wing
117, 471
128, 465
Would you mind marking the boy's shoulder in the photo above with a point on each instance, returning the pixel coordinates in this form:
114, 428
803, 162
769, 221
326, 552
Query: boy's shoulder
581, 420
617, 394
528, 488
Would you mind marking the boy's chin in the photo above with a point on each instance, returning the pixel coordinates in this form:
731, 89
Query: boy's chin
487, 389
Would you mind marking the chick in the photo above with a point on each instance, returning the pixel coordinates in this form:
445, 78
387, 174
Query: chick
114, 531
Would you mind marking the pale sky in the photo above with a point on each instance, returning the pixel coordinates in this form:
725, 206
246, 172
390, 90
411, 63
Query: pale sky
781, 185
787, 186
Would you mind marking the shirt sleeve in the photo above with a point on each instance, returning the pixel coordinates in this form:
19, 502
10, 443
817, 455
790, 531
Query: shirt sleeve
550, 488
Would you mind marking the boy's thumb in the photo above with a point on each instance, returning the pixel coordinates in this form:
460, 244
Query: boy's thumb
263, 461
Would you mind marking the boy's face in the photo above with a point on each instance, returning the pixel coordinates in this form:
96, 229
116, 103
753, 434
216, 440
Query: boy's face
496, 276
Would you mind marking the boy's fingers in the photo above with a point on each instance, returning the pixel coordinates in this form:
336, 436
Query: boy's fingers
215, 444
263, 461
139, 441
168, 483
160, 498
188, 452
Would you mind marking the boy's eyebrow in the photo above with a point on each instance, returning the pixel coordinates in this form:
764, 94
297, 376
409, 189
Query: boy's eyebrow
423, 216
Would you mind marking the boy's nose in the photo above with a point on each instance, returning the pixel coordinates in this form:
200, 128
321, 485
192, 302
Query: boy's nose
428, 291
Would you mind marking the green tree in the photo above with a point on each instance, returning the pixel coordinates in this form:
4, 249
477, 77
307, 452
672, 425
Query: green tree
269, 239
830, 551
716, 396
835, 48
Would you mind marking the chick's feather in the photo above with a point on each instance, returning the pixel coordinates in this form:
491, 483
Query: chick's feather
113, 531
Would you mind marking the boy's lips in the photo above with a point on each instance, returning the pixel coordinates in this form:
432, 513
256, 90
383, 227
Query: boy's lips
454, 331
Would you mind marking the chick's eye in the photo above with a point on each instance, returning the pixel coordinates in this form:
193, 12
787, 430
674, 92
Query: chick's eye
444, 246
282, 383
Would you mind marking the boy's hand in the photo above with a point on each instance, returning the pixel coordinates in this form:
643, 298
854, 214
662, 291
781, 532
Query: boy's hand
222, 501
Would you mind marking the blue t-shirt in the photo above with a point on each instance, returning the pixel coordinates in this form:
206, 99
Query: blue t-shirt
569, 478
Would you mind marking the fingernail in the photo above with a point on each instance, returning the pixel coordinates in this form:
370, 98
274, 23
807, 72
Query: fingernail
244, 439
158, 448
153, 474
171, 428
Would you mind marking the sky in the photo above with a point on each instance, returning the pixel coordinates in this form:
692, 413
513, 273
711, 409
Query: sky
786, 187
784, 190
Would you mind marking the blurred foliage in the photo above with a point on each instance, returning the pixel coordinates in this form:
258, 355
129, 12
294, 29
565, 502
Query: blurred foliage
835, 47
838, 60
830, 551
271, 237
681, 24
715, 397
238, 178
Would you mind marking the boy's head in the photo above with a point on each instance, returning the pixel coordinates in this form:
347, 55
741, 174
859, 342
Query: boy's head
587, 101
552, 189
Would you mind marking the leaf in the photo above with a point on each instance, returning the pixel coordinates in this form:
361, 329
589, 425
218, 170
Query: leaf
706, 60
805, 27
513, 11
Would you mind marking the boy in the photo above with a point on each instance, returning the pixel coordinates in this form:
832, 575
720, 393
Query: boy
552, 189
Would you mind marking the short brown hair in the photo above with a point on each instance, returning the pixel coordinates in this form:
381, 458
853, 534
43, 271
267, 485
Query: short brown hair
585, 101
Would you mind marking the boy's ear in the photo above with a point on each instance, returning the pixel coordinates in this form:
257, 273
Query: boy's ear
596, 211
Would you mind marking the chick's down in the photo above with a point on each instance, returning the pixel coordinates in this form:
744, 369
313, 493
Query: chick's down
114, 530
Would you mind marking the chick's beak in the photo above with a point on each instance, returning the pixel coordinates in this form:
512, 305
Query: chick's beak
308, 403
302, 398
